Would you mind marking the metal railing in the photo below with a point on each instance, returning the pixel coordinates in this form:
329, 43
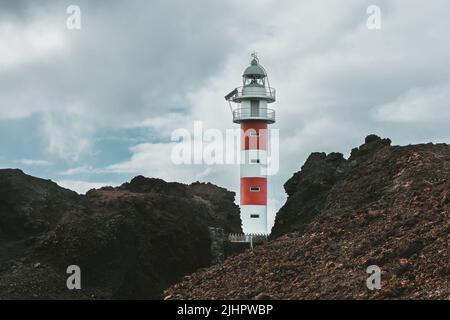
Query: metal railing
267, 92
251, 114
242, 237
247, 238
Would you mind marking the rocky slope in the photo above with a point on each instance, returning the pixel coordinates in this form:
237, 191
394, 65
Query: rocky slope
386, 205
130, 242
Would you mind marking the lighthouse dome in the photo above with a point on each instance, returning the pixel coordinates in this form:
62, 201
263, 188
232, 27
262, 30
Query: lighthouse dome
254, 71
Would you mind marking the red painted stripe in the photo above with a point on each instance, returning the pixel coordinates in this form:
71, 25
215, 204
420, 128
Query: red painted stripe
250, 197
254, 142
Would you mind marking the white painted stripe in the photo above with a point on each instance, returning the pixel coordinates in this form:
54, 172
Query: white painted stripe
257, 223
253, 163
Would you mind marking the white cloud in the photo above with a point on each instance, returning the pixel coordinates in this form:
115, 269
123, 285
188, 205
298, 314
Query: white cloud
25, 44
67, 135
33, 162
116, 74
78, 170
418, 105
320, 57
154, 160
162, 125
82, 187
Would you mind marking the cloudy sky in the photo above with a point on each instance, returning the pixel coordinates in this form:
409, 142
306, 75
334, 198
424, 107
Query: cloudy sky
98, 105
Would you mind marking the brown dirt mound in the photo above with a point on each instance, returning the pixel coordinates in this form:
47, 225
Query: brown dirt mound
386, 205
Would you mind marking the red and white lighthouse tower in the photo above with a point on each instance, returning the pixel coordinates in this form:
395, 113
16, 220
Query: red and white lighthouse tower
251, 112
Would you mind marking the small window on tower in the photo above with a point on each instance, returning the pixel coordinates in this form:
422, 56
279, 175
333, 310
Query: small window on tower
254, 134
254, 216
255, 189
254, 161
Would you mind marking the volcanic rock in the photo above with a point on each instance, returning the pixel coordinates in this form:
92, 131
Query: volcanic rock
386, 206
130, 242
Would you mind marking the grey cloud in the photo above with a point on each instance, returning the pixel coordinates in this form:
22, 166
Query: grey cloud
138, 60
131, 60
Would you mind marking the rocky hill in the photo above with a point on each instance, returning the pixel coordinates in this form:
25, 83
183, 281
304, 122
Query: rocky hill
130, 242
386, 205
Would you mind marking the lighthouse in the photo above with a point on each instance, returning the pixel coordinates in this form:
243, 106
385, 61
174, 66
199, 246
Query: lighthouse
249, 107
